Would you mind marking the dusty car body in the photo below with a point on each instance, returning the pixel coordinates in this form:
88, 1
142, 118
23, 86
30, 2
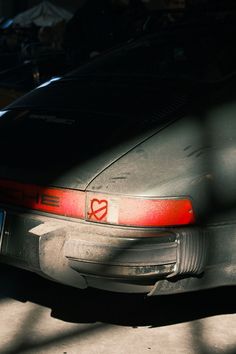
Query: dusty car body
121, 175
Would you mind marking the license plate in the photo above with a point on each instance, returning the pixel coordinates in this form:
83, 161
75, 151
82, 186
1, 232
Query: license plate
2, 222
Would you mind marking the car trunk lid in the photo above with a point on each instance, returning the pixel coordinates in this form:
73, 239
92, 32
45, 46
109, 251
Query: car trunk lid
80, 130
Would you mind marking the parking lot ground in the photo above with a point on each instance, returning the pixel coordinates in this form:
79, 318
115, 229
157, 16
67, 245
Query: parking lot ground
39, 316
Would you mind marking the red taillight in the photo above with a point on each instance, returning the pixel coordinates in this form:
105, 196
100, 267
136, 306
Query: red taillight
102, 208
156, 212
59, 201
142, 212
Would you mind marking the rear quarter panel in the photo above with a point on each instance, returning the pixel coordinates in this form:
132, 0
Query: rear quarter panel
193, 157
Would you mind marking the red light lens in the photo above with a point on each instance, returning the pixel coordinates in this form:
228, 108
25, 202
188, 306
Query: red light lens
102, 208
59, 201
142, 212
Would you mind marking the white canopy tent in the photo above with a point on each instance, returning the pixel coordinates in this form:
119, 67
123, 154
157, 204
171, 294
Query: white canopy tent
42, 15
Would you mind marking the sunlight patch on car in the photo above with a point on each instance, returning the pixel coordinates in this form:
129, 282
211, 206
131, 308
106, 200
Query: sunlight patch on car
45, 228
2, 113
48, 82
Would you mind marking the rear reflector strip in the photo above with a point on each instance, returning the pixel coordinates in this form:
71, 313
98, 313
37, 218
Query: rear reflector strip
161, 212
101, 208
58, 201
142, 212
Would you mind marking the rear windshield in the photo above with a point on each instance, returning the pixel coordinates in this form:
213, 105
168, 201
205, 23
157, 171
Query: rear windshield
199, 54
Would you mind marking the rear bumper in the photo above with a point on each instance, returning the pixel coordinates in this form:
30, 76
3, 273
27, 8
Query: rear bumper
85, 254
124, 255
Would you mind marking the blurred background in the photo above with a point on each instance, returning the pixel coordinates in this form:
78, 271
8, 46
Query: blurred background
40, 40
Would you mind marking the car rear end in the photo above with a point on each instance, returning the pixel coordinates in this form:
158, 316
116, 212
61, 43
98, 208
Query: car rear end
68, 216
106, 181
112, 242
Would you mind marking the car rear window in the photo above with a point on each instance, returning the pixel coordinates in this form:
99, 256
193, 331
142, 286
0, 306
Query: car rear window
198, 54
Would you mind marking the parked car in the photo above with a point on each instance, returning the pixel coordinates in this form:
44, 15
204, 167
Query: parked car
121, 174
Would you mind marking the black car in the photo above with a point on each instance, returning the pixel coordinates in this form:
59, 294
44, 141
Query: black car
121, 174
